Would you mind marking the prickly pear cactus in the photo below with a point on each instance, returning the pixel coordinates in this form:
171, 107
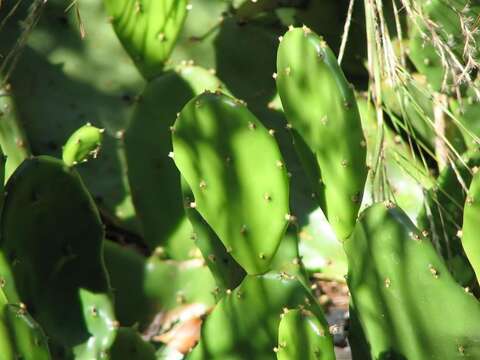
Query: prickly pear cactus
12, 137
184, 282
148, 30
129, 345
319, 248
302, 336
396, 280
442, 215
228, 332
20, 334
3, 162
237, 175
321, 106
82, 144
28, 341
471, 216
53, 242
153, 177
143, 287
467, 113
287, 259
126, 271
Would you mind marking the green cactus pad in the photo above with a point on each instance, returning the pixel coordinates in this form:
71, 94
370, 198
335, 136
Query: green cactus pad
129, 345
237, 175
408, 304
20, 335
154, 179
3, 166
442, 216
319, 248
328, 18
52, 236
82, 144
302, 336
467, 112
321, 106
356, 336
471, 217
191, 43
145, 286
148, 30
253, 311
29, 339
126, 270
170, 284
287, 258
12, 137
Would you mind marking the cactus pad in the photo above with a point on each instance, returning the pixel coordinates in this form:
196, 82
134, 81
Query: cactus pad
53, 242
397, 280
237, 175
321, 106
148, 29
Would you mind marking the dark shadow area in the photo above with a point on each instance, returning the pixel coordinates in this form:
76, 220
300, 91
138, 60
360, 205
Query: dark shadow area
61, 82
153, 177
327, 18
126, 270
357, 340
391, 355
246, 59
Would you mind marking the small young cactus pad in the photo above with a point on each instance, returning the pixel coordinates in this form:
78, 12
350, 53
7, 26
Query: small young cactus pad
321, 106
82, 144
230, 162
